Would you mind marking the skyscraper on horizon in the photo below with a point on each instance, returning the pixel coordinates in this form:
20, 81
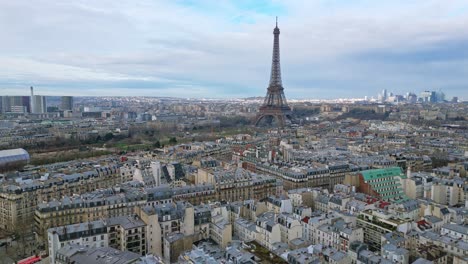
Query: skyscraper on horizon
39, 103
384, 95
66, 103
274, 108
32, 99
16, 104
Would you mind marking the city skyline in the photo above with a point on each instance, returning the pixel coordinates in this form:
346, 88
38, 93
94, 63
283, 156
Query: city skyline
222, 50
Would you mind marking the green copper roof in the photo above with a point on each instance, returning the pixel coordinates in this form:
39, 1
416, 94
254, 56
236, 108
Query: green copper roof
386, 181
382, 173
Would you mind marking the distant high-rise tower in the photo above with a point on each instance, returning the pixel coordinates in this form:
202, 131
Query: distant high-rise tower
15, 104
384, 95
67, 103
275, 107
39, 103
32, 99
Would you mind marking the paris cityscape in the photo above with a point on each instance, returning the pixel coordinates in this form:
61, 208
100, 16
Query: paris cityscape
106, 165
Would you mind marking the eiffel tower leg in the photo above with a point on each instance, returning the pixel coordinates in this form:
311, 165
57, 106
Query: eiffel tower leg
258, 119
268, 118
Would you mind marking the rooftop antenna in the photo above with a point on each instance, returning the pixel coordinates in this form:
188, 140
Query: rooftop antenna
276, 21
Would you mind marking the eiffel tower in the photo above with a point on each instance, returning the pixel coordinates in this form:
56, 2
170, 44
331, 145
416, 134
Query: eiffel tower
275, 109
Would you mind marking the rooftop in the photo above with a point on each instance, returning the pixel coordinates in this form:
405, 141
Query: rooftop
103, 255
382, 173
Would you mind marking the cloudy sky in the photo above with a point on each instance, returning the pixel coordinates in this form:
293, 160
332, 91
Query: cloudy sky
222, 49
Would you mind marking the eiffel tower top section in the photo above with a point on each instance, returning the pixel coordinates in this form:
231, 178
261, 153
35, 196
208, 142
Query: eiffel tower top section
275, 77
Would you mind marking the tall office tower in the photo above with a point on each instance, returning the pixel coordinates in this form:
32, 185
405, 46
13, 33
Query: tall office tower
384, 95
5, 104
67, 103
26, 102
412, 98
32, 99
16, 104
275, 107
439, 97
40, 104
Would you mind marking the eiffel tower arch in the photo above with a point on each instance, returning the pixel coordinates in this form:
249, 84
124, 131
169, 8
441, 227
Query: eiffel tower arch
275, 109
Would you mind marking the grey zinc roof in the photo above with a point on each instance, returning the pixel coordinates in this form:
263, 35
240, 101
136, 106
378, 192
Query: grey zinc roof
338, 256
394, 238
463, 229
246, 223
172, 237
126, 222
462, 245
77, 227
422, 261
432, 219
103, 255
410, 205
297, 241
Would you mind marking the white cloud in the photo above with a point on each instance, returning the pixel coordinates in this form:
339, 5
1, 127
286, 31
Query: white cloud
203, 45
20, 68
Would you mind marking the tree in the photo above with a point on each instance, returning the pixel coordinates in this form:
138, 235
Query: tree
20, 233
173, 140
108, 136
157, 144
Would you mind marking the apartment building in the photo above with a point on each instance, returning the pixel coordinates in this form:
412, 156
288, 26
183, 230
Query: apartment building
246, 230
247, 209
376, 223
195, 194
19, 201
268, 231
86, 208
307, 176
125, 233
311, 225
92, 234
450, 244
238, 184
279, 204
455, 230
395, 254
202, 221
338, 234
449, 191
385, 183
166, 219
175, 244
290, 227
220, 230
301, 197
73, 254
